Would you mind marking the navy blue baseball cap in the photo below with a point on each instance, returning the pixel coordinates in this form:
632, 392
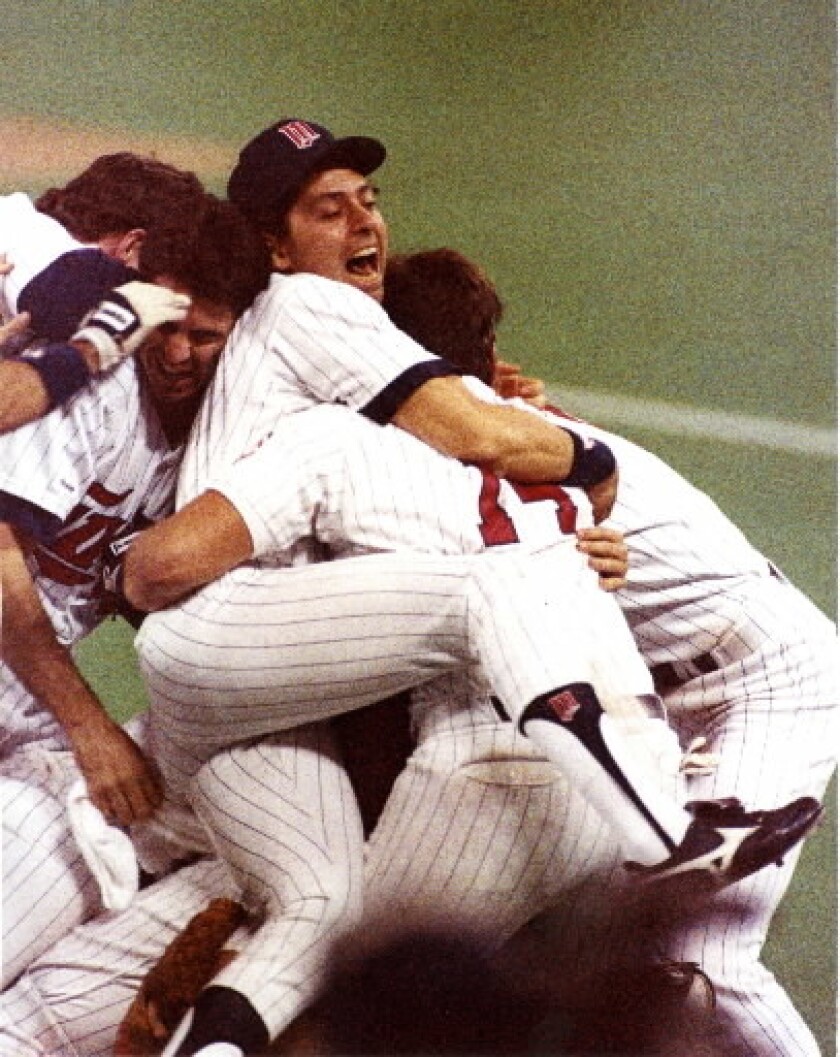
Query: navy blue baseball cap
275, 165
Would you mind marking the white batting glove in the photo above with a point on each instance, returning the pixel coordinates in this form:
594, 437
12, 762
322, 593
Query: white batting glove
120, 324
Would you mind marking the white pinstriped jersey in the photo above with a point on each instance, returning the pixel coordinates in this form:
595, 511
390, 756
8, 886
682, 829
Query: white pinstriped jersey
31, 241
358, 487
305, 341
692, 571
88, 470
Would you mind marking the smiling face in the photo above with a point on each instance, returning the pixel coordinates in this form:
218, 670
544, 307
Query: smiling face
335, 230
179, 359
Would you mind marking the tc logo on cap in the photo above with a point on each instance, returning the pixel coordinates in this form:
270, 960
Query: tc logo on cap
564, 705
301, 134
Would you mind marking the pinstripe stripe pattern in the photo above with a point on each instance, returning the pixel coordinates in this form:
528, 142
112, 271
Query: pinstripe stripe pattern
305, 341
47, 888
284, 817
70, 1003
97, 462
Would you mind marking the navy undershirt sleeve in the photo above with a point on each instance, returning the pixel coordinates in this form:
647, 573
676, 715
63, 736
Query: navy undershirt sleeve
58, 297
385, 404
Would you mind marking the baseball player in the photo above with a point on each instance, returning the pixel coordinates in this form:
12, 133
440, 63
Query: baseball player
106, 462
421, 854
298, 347
743, 659
61, 255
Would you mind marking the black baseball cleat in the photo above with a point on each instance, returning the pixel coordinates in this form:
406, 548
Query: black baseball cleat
725, 842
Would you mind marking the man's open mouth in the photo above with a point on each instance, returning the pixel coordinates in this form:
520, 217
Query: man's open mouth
364, 264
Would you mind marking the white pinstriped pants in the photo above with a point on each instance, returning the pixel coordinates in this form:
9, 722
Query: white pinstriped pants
265, 649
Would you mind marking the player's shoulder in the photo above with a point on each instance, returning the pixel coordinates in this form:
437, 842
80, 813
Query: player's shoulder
17, 205
315, 293
20, 218
109, 405
90, 420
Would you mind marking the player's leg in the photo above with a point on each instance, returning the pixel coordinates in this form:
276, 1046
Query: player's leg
46, 887
772, 720
264, 650
284, 817
73, 998
479, 827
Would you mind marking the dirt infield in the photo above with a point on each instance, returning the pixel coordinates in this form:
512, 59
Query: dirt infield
35, 151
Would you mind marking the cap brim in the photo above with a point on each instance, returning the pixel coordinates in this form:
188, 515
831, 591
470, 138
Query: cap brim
360, 153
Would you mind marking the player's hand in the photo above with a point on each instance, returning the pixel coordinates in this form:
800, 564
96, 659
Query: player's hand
120, 324
607, 555
121, 782
16, 326
509, 382
602, 496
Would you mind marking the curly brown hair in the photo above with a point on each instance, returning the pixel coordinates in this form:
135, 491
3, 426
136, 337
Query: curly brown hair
120, 192
212, 250
447, 304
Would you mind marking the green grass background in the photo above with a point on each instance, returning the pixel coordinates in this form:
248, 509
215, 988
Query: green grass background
650, 182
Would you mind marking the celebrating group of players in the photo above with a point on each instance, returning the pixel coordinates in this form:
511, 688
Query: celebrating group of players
244, 418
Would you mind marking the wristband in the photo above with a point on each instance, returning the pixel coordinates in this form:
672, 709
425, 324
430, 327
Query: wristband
592, 463
63, 370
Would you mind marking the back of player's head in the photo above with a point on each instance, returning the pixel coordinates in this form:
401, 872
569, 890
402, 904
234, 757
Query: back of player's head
212, 250
275, 165
424, 990
447, 304
118, 193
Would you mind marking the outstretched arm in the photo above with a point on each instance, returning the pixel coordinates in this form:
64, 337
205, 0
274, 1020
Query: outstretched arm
508, 441
40, 379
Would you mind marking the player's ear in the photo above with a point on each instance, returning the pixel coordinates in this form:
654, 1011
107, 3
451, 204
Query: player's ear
280, 258
125, 247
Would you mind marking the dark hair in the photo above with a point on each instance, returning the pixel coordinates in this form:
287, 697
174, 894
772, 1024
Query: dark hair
447, 304
119, 192
424, 990
212, 250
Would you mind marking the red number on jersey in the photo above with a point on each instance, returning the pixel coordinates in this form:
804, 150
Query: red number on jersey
497, 526
72, 557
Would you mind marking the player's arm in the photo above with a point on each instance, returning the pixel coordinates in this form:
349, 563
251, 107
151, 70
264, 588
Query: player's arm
43, 378
508, 441
28, 391
120, 781
199, 543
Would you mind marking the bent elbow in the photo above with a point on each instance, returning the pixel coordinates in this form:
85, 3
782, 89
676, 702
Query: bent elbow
149, 581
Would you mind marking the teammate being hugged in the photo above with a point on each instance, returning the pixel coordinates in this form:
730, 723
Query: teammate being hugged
106, 461
743, 659
313, 339
61, 255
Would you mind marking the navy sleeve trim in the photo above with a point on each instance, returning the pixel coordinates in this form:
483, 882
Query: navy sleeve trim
385, 404
36, 522
67, 289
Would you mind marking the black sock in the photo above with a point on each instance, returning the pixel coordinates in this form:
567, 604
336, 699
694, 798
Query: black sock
224, 1015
